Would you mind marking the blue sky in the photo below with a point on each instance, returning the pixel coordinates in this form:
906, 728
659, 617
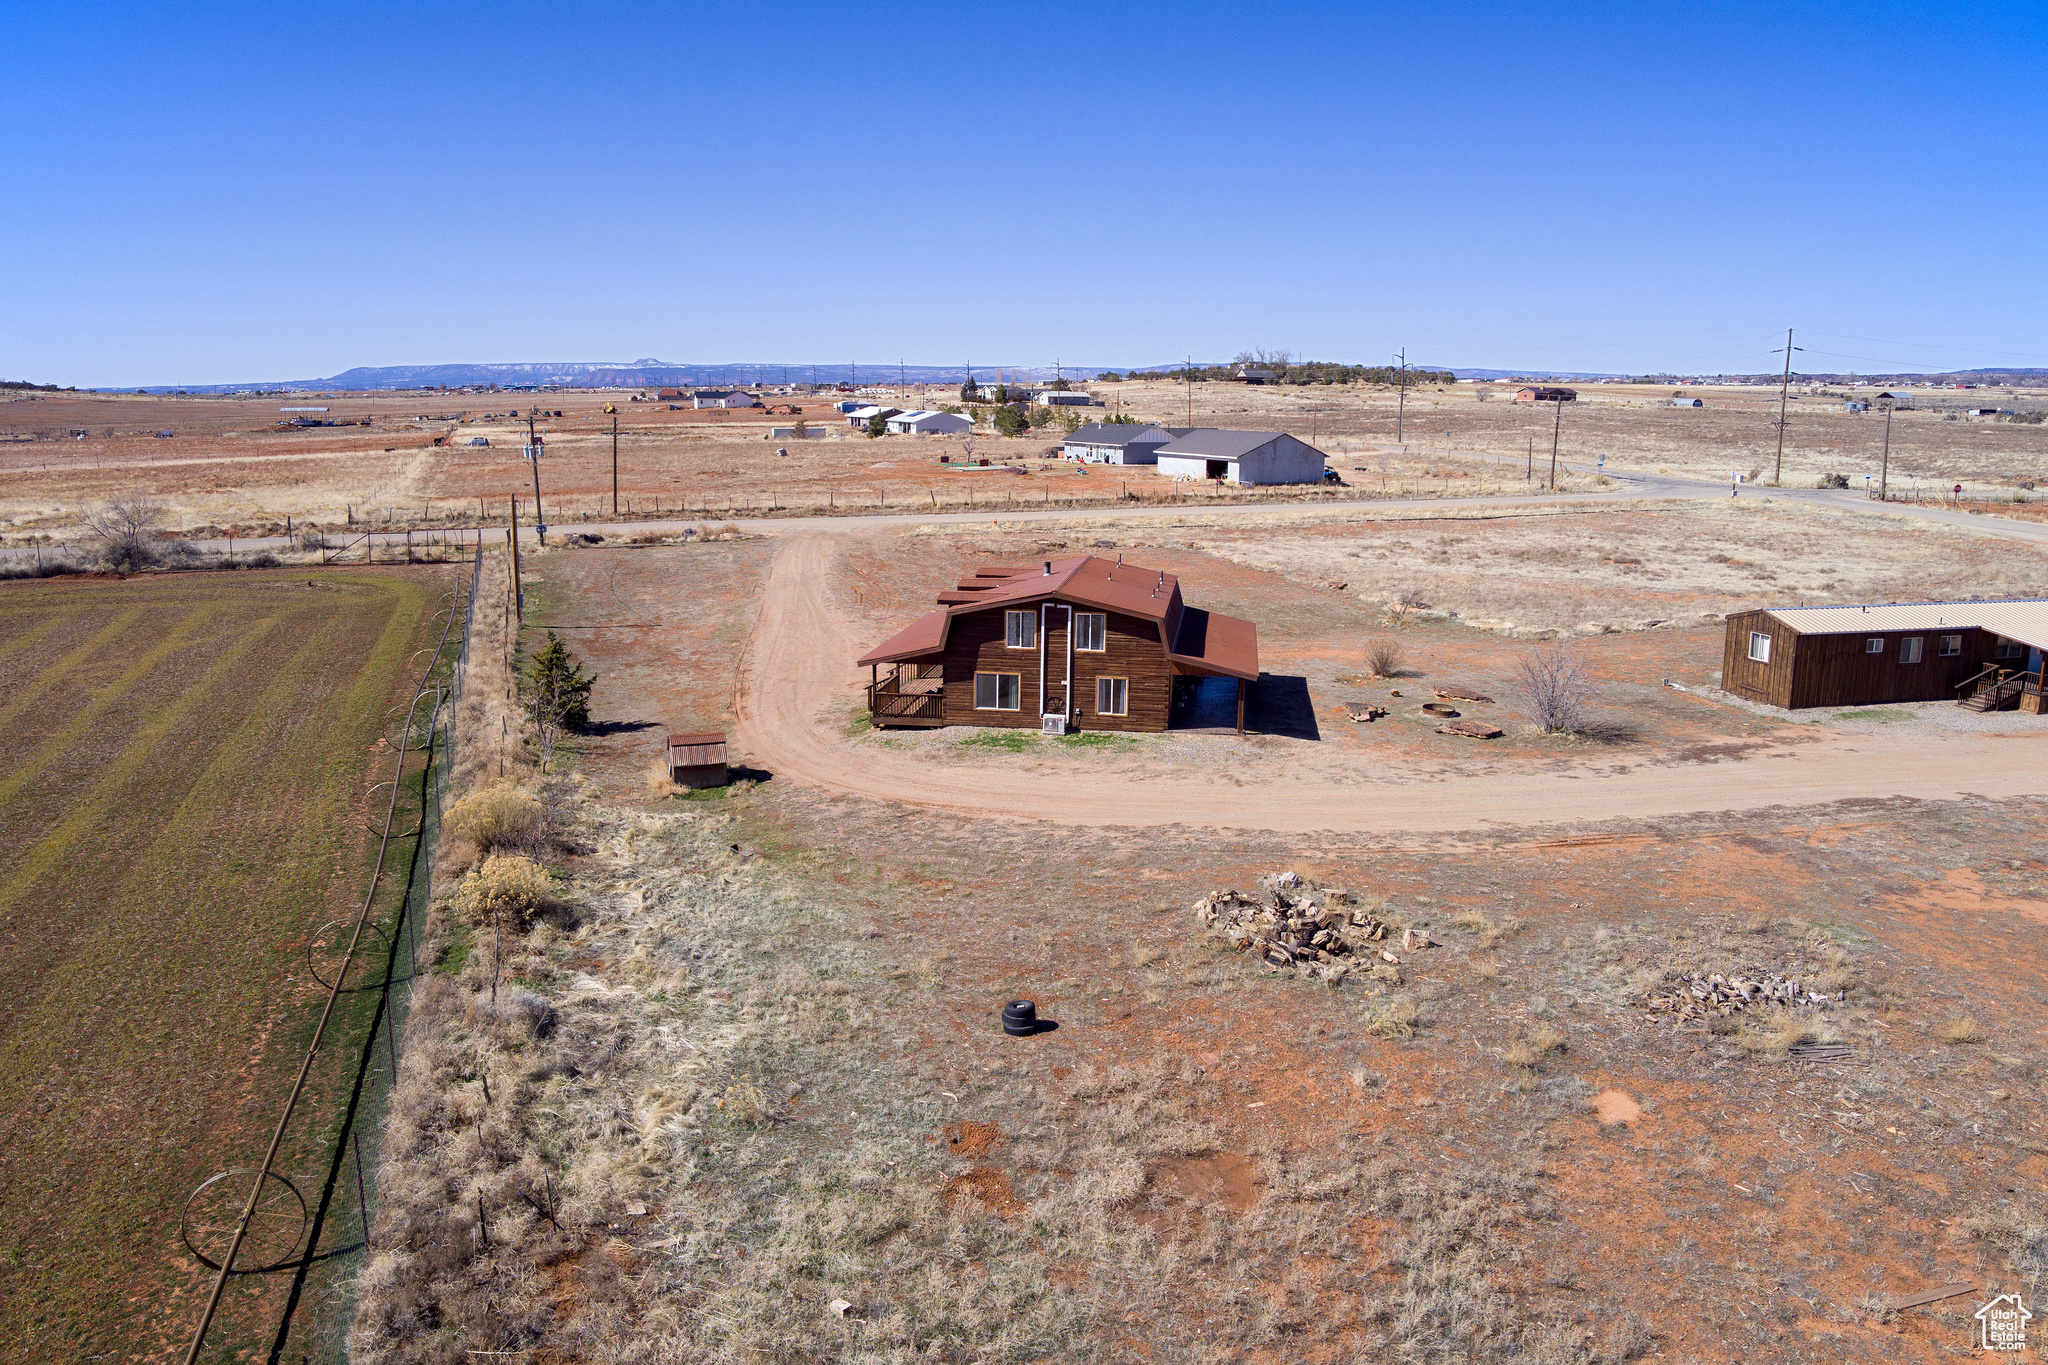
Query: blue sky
206, 193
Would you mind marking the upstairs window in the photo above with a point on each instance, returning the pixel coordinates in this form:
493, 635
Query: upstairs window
1874, 645
1951, 646
1909, 649
1759, 647
1020, 629
1091, 631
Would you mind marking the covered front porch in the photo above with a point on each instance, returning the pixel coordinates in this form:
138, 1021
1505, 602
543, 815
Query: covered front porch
914, 694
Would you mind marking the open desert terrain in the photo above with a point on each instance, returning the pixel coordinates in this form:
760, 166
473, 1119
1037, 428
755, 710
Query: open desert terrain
736, 1088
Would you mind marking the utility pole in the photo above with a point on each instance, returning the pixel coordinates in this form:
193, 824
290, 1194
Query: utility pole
902, 389
533, 449
518, 596
1529, 471
1885, 470
1556, 421
1189, 379
615, 464
1784, 385
1401, 405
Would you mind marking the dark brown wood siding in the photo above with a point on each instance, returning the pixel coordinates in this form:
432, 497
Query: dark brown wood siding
1769, 683
974, 643
1836, 670
1136, 654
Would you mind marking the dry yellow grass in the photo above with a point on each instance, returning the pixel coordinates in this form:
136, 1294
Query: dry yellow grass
1962, 1029
1769, 1035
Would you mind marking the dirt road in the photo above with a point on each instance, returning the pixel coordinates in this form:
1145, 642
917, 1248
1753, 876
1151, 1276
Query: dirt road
799, 678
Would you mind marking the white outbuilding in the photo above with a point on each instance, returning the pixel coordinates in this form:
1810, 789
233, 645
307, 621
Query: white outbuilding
924, 422
1241, 457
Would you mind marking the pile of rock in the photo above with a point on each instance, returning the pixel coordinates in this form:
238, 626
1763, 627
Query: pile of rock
1293, 924
1714, 996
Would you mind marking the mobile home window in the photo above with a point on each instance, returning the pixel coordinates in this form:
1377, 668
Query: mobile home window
997, 691
1020, 629
1759, 647
2007, 649
1112, 696
1874, 645
1091, 630
1951, 646
1909, 649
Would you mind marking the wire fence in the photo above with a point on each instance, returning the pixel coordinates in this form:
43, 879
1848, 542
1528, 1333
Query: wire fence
391, 971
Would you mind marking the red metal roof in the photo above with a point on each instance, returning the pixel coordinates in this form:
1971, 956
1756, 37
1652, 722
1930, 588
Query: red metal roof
694, 751
1202, 641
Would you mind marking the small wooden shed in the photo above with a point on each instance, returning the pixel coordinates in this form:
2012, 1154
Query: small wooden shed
697, 760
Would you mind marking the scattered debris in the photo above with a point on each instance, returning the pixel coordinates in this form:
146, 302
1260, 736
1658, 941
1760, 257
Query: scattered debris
841, 1307
1395, 693
1474, 729
1332, 584
1437, 708
1412, 939
1463, 694
1717, 996
1295, 924
1364, 711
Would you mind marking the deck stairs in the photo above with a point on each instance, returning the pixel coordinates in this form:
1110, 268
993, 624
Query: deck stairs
1999, 693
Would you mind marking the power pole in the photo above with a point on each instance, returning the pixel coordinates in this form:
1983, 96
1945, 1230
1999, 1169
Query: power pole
540, 524
1556, 421
1885, 470
1529, 471
1401, 405
518, 596
615, 464
1784, 385
902, 389
1189, 380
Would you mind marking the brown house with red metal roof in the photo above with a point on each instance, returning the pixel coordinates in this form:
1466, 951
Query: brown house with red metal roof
1079, 643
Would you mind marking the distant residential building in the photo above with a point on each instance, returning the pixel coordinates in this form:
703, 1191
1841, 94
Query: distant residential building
1067, 398
1246, 457
734, 399
1256, 376
1118, 443
860, 417
924, 422
1544, 393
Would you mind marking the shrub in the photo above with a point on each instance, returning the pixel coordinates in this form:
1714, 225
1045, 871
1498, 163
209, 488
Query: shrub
561, 690
1557, 689
1008, 421
1383, 657
123, 531
498, 817
1962, 1029
1834, 481
508, 891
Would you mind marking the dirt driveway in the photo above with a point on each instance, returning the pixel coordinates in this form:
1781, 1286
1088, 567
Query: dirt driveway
799, 681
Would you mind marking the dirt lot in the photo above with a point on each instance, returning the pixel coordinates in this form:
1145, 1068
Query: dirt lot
185, 761
226, 466
778, 1081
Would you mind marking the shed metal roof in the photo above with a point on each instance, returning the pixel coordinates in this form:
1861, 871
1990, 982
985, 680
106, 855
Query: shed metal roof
695, 751
2024, 619
1118, 434
1213, 443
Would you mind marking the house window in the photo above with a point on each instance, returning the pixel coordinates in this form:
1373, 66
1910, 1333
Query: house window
1874, 645
2007, 649
1091, 631
1020, 629
1951, 646
1909, 649
997, 691
1759, 647
1112, 696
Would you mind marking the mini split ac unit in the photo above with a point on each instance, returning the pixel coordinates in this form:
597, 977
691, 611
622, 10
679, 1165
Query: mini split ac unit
1052, 725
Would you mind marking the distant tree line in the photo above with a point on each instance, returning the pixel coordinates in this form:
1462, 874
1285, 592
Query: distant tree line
37, 388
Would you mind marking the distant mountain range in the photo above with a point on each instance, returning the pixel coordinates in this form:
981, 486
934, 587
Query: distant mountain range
651, 373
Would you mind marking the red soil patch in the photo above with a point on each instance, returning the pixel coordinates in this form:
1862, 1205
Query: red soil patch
972, 1140
1220, 1179
990, 1186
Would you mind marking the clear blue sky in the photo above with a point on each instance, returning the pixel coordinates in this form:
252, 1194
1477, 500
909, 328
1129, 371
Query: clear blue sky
207, 192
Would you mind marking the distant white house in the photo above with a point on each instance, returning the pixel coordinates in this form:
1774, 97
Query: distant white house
1067, 398
1241, 457
1118, 443
860, 417
924, 422
735, 399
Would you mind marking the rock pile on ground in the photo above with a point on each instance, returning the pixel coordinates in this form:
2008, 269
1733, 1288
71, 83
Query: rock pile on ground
1294, 924
1714, 996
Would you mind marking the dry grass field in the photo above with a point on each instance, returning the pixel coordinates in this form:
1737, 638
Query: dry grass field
750, 1100
226, 467
182, 803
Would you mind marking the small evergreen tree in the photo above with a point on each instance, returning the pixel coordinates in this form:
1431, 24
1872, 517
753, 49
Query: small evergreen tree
561, 690
970, 392
1009, 422
878, 425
